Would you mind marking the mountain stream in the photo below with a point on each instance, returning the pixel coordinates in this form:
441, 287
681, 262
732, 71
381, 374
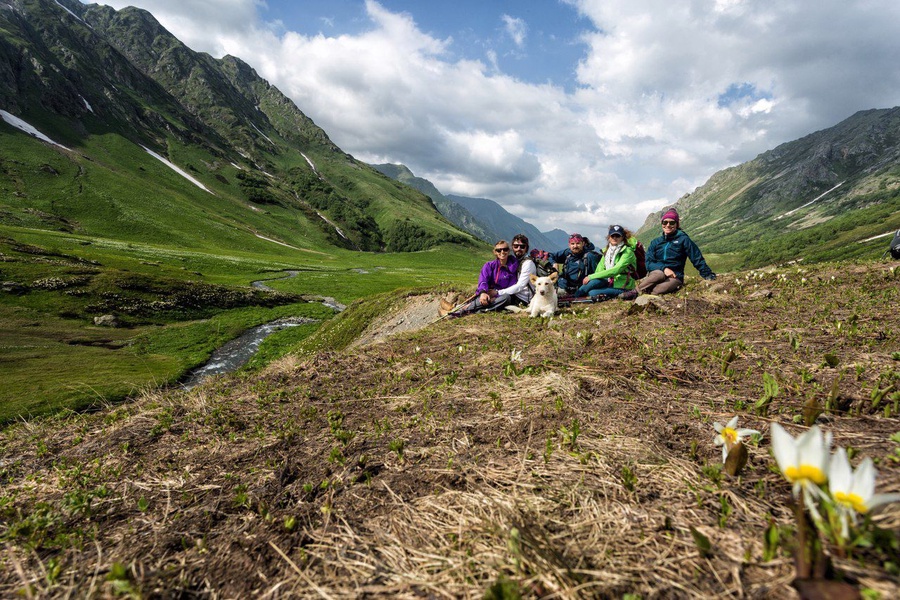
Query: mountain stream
238, 351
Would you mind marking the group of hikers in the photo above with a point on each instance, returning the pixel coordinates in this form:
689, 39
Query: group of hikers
622, 269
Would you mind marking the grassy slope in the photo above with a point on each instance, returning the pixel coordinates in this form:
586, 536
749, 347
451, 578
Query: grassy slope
438, 463
737, 216
94, 213
53, 356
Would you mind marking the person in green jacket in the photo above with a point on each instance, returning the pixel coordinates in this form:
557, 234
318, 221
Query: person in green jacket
616, 272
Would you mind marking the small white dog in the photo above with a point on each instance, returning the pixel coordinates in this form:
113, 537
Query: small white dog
544, 302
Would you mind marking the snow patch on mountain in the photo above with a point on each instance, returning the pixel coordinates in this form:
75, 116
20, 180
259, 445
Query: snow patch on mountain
23, 126
177, 169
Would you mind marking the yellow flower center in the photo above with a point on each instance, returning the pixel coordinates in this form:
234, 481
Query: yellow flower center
730, 435
854, 501
805, 472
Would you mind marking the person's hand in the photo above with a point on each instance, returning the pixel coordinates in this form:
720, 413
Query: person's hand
586, 279
493, 293
669, 272
484, 298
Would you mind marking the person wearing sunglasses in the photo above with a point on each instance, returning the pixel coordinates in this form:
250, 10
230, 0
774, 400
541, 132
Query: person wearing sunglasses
497, 278
616, 272
666, 257
520, 293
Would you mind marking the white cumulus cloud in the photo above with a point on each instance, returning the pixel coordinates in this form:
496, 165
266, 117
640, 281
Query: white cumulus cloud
667, 93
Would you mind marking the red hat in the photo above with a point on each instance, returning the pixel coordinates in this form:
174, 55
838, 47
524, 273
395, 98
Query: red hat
671, 214
576, 237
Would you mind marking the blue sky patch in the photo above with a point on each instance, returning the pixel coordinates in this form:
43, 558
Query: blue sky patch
742, 91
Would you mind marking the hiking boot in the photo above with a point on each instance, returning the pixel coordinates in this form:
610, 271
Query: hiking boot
629, 295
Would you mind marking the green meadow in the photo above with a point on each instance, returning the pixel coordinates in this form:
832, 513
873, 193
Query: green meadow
174, 308
104, 228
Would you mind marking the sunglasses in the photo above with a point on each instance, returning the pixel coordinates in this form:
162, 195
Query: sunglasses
616, 235
668, 222
520, 245
499, 250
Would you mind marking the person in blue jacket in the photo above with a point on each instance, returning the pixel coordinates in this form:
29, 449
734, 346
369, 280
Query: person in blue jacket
576, 262
666, 258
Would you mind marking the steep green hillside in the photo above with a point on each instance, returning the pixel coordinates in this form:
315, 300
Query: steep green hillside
825, 196
107, 83
173, 181
455, 213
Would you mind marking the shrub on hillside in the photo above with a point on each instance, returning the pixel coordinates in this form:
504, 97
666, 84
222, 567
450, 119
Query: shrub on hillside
406, 236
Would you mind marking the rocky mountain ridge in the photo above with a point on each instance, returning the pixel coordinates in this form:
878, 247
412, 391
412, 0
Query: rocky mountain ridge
483, 218
91, 77
827, 195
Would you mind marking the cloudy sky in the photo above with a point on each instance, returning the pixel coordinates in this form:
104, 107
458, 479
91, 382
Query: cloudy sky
570, 113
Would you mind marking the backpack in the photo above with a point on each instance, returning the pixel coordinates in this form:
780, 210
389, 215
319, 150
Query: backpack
582, 271
542, 262
895, 246
641, 256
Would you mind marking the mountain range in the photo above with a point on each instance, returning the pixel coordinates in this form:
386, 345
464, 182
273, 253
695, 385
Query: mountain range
833, 194
156, 142
508, 224
483, 218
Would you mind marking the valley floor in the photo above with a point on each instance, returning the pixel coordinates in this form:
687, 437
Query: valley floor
493, 454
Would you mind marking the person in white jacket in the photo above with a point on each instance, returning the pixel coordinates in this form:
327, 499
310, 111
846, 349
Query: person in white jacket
521, 291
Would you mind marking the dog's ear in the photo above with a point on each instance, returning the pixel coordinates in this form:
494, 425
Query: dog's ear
533, 279
554, 276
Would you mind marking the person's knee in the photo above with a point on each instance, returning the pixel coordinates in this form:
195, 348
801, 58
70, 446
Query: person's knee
668, 287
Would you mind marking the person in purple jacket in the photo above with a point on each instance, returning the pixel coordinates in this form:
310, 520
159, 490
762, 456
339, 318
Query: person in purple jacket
496, 277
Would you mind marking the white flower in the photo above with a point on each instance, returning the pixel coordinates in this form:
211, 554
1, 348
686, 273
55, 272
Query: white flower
515, 355
803, 461
459, 349
728, 435
854, 492
428, 361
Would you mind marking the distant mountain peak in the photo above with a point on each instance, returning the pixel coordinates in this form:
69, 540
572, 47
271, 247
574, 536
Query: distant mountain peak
823, 196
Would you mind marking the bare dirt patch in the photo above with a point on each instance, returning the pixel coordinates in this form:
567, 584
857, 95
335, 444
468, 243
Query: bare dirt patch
562, 458
414, 313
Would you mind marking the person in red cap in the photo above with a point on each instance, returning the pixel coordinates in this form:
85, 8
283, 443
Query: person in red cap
577, 262
666, 258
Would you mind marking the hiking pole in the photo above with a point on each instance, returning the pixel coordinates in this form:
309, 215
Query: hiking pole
459, 306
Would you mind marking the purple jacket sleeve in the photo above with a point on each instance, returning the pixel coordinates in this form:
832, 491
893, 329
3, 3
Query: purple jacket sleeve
484, 279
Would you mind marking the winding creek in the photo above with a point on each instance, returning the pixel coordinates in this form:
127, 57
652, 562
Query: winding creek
238, 351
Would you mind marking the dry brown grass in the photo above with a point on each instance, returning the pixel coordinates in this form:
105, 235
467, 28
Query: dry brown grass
432, 466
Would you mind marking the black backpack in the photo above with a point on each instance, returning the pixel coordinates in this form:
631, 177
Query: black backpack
895, 246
